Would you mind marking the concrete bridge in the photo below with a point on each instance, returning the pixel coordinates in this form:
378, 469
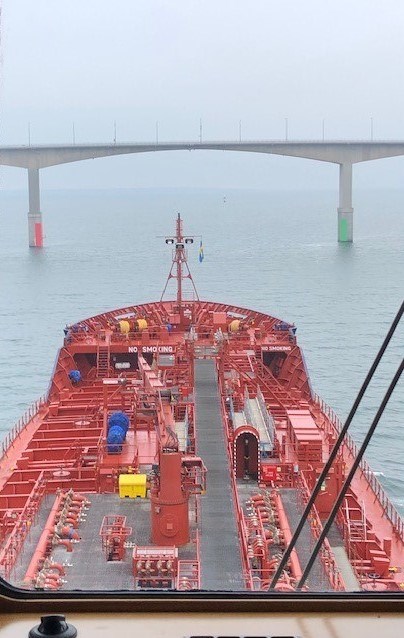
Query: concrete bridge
344, 153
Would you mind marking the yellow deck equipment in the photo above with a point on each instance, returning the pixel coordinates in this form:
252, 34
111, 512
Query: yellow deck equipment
132, 485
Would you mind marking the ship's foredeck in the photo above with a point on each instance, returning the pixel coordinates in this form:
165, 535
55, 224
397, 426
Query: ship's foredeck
88, 567
226, 390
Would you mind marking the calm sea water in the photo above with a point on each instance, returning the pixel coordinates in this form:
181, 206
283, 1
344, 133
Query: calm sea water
271, 251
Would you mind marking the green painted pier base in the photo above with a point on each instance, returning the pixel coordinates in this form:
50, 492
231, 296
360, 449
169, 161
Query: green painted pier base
345, 225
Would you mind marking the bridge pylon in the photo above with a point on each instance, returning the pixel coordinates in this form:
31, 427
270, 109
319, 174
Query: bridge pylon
35, 226
345, 210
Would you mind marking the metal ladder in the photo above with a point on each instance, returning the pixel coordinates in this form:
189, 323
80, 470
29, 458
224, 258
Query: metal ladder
102, 361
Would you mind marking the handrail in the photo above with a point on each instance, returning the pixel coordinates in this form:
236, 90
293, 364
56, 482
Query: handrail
247, 408
231, 409
22, 422
375, 485
197, 143
12, 547
326, 555
186, 428
268, 419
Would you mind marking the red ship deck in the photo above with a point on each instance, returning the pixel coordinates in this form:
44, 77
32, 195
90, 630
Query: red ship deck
221, 428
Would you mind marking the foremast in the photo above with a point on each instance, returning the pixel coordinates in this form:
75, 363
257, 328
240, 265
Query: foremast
179, 267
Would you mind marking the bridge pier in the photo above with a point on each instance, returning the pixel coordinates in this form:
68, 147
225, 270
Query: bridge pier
35, 227
345, 210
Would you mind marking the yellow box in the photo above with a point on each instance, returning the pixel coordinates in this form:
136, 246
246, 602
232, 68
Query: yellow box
132, 485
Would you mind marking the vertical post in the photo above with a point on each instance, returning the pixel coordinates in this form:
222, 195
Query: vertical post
345, 210
35, 228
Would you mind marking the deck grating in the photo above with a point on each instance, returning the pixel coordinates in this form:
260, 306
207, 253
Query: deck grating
31, 541
88, 568
336, 541
317, 579
219, 547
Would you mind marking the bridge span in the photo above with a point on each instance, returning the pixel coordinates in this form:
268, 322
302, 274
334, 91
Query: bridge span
345, 153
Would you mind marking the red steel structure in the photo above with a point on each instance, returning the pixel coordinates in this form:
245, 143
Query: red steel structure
218, 412
113, 535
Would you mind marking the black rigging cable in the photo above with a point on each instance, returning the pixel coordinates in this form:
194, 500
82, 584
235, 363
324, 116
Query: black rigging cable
351, 473
335, 449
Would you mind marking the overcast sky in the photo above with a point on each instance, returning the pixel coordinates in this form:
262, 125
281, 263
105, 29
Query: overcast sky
138, 62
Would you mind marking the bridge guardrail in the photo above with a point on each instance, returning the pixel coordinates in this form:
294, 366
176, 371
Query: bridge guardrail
194, 143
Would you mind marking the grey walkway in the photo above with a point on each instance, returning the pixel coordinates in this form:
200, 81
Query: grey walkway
317, 580
337, 545
219, 547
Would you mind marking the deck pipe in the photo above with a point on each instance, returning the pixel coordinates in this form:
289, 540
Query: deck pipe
287, 535
44, 540
66, 543
49, 565
62, 503
44, 583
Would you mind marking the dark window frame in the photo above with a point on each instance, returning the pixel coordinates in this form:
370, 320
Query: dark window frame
17, 600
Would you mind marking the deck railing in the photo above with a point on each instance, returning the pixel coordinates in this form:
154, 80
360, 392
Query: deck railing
20, 425
14, 543
375, 485
231, 409
247, 409
266, 417
326, 554
268, 420
243, 535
